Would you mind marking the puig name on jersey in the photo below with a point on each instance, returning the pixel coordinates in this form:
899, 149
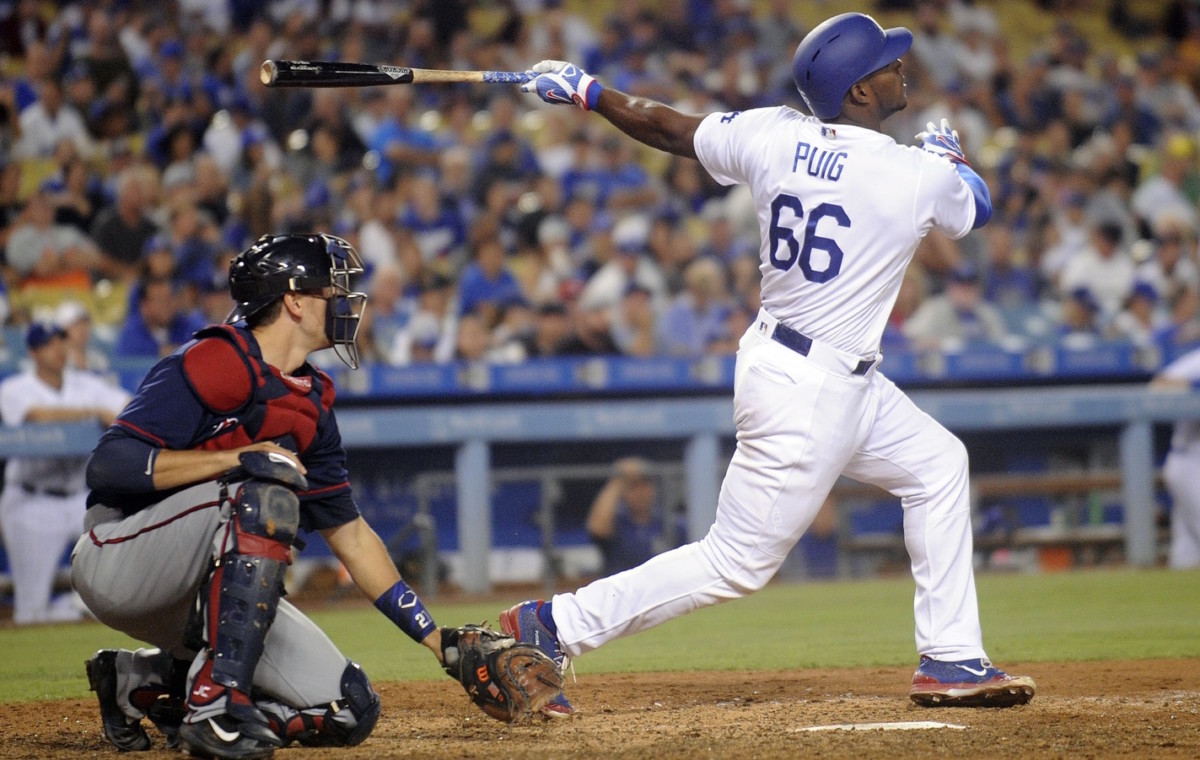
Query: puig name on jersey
819, 162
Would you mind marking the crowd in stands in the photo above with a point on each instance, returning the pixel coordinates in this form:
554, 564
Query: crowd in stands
140, 152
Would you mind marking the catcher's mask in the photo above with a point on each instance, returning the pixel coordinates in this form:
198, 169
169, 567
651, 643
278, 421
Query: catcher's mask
278, 264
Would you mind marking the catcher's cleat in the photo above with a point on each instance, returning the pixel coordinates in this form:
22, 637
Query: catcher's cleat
221, 738
124, 732
524, 623
968, 683
167, 715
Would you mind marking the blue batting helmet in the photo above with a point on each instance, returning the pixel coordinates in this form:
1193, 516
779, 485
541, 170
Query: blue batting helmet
839, 52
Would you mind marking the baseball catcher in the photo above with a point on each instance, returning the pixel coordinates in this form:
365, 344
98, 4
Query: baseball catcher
227, 454
510, 681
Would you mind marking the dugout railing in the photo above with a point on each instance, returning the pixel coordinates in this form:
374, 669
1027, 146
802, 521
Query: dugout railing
549, 495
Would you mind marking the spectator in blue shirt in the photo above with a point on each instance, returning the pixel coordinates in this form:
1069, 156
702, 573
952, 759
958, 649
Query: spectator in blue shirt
437, 228
487, 282
154, 327
616, 183
626, 520
624, 183
609, 49
696, 316
1126, 106
1007, 282
398, 142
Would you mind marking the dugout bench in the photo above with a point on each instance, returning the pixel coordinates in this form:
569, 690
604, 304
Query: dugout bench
1070, 541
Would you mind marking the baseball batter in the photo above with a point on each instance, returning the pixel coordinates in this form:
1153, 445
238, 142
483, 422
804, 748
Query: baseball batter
227, 451
1182, 466
841, 208
41, 510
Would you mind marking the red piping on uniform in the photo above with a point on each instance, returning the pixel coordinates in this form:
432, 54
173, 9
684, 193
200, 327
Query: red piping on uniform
326, 489
138, 430
148, 528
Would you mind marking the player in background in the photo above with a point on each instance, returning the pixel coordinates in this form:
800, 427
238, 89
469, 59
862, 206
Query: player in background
841, 208
42, 507
1181, 470
628, 522
200, 489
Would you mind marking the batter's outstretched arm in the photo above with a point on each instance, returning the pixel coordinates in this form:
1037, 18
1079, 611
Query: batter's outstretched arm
650, 122
647, 121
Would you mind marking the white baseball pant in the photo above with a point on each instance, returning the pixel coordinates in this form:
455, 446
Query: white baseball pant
801, 422
38, 528
1181, 473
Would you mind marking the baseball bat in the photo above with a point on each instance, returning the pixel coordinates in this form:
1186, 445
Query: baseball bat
344, 74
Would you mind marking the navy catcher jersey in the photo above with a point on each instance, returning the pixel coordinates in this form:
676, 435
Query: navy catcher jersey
217, 393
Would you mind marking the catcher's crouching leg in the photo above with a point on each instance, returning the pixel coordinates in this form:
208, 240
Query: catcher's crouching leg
344, 722
239, 605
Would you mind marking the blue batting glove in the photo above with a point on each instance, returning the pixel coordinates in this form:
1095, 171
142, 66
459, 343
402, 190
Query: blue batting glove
562, 82
943, 141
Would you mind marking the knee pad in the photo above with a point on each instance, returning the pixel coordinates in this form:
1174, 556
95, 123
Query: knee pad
263, 513
344, 722
362, 703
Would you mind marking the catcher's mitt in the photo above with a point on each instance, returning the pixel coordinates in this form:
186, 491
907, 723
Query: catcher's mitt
510, 681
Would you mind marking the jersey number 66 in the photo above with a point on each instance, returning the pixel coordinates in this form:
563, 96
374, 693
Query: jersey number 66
812, 241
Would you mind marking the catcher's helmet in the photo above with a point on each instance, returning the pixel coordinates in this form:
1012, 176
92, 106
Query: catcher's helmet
278, 264
839, 52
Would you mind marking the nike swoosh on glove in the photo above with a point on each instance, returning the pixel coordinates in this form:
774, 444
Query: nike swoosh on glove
943, 141
563, 82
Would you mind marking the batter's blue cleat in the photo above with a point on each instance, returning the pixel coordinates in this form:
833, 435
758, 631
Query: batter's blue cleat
531, 623
968, 683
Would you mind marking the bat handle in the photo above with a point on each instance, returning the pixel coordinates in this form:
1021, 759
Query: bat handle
507, 77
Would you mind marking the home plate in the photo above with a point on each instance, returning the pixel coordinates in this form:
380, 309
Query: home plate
904, 725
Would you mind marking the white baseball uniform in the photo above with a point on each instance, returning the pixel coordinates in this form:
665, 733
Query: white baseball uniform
841, 210
1181, 473
41, 509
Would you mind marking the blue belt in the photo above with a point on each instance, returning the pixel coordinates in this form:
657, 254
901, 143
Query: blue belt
802, 344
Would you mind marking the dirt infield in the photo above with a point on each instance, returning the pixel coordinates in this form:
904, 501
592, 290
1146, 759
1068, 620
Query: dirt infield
1142, 709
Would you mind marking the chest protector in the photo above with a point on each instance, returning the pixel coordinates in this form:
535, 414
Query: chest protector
249, 400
